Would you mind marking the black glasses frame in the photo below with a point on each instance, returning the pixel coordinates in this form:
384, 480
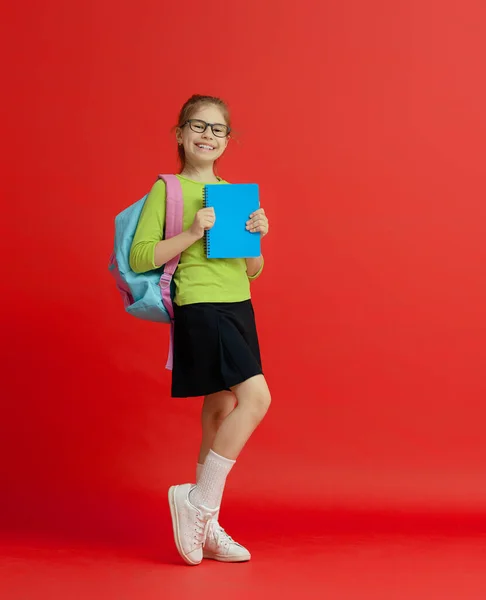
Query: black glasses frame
212, 125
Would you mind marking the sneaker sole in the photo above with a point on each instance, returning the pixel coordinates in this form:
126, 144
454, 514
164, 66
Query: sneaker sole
224, 558
175, 526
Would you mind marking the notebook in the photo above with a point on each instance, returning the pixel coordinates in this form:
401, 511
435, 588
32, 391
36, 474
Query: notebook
233, 204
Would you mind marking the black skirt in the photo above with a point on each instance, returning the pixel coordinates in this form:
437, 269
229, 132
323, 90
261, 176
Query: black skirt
215, 347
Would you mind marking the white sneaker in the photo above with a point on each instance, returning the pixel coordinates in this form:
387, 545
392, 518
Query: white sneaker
220, 546
190, 523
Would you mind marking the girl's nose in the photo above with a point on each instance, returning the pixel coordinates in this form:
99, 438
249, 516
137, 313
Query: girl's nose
208, 133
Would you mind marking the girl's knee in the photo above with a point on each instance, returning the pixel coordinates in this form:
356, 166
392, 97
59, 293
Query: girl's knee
253, 396
263, 401
258, 402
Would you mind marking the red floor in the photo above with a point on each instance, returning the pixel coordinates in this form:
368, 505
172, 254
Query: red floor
348, 556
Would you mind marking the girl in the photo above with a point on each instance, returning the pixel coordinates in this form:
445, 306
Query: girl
216, 351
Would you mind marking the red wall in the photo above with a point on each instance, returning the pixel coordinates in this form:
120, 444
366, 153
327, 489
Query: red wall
364, 124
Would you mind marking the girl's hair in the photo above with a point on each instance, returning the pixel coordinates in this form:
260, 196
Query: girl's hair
190, 108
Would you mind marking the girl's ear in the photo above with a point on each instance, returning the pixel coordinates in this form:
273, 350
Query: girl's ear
179, 135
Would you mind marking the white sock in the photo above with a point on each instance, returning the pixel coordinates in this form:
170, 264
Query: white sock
199, 469
209, 489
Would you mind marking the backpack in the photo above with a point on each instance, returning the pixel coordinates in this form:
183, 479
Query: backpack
148, 295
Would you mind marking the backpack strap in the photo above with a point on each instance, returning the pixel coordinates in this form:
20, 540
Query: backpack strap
174, 213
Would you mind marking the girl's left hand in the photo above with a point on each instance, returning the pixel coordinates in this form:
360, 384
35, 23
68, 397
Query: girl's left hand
258, 222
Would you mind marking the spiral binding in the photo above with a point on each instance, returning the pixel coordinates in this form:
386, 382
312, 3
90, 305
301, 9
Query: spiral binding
207, 239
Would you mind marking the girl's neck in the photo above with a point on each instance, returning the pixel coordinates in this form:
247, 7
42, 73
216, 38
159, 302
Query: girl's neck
201, 174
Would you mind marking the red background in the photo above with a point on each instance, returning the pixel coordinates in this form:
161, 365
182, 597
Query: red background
364, 124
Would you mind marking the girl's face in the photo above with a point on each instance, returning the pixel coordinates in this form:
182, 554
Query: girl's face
201, 144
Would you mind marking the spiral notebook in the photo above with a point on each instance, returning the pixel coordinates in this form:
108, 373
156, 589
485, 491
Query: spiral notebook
233, 204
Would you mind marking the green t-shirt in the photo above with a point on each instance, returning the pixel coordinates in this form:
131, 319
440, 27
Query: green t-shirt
197, 279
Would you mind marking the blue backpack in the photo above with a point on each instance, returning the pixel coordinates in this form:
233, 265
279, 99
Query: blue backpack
148, 295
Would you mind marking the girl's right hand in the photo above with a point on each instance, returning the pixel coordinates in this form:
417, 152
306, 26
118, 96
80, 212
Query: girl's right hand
204, 220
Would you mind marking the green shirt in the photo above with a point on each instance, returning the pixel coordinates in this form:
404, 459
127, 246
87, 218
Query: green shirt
197, 278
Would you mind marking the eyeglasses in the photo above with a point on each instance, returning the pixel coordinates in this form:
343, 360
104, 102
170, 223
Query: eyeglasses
199, 126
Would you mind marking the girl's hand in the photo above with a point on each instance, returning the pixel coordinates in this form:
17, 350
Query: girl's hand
258, 222
204, 220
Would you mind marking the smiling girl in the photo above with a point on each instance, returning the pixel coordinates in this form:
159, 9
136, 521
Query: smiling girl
216, 350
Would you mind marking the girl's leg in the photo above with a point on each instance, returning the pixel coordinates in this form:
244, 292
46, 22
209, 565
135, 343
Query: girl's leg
194, 509
254, 400
216, 408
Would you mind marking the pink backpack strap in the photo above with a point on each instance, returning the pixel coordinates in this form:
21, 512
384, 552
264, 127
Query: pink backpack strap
174, 213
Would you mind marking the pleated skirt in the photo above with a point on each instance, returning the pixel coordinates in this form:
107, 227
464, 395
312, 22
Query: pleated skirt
215, 347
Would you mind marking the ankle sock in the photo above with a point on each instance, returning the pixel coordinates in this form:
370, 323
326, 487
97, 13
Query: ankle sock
199, 469
209, 489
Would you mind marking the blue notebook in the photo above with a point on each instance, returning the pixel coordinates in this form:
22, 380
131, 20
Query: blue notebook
233, 204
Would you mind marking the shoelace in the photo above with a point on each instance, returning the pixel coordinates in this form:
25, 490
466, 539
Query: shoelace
219, 535
203, 520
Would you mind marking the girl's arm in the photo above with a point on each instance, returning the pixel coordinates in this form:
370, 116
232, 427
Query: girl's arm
167, 249
257, 222
149, 251
254, 267
149, 230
